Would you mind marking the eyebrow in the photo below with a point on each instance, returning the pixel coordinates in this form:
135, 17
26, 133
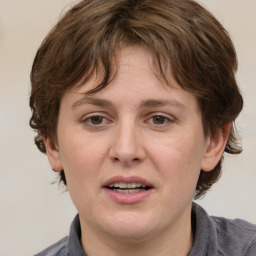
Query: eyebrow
92, 101
160, 103
144, 104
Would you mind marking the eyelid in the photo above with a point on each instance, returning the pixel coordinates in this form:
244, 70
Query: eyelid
169, 118
87, 117
95, 113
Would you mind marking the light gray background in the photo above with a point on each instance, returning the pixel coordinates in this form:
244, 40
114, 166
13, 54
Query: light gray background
33, 213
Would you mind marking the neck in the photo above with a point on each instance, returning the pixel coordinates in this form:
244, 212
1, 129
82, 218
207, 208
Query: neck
176, 241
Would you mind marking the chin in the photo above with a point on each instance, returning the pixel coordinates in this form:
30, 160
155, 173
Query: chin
131, 226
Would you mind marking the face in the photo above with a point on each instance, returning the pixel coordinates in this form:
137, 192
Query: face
132, 152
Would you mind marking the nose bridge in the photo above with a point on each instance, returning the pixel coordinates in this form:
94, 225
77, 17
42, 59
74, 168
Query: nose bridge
127, 146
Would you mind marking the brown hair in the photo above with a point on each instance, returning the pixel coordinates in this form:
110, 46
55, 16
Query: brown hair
181, 34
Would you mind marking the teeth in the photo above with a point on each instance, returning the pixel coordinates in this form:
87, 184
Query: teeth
126, 191
127, 185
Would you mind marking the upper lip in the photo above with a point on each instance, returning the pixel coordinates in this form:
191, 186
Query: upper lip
131, 179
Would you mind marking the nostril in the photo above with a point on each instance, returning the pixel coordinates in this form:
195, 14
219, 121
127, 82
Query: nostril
126, 161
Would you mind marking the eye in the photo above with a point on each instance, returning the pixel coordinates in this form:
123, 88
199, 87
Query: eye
95, 120
159, 120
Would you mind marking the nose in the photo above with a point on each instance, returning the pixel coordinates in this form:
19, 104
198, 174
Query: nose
127, 146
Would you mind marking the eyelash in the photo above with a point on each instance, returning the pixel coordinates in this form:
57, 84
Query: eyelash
103, 120
166, 120
89, 122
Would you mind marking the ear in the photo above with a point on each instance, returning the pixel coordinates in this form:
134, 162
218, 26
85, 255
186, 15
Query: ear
215, 148
53, 155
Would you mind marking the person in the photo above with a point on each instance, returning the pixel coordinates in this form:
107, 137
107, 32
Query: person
134, 103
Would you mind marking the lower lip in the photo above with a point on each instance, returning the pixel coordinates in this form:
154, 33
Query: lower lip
129, 198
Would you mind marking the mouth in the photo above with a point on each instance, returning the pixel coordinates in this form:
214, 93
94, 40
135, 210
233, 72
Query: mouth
126, 188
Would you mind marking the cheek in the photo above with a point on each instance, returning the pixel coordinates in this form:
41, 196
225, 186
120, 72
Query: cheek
81, 158
179, 160
81, 164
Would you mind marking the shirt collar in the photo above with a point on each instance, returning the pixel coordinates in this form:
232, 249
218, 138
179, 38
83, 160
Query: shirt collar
74, 245
205, 237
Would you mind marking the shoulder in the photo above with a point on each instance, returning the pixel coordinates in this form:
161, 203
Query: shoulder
220, 236
58, 249
69, 245
237, 234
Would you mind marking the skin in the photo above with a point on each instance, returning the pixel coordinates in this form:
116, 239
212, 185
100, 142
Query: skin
142, 129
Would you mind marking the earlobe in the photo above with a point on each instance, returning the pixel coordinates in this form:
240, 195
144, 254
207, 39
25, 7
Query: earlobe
53, 155
215, 148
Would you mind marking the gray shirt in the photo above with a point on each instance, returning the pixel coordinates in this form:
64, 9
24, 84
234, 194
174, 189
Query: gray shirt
214, 236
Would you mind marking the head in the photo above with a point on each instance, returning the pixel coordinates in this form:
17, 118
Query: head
184, 40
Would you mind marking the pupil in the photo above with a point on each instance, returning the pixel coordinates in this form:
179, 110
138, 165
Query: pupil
159, 119
96, 119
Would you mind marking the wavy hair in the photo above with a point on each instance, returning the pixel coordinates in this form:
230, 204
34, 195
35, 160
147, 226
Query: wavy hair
180, 34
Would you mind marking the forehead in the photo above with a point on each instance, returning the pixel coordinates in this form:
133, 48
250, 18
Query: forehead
135, 80
129, 62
